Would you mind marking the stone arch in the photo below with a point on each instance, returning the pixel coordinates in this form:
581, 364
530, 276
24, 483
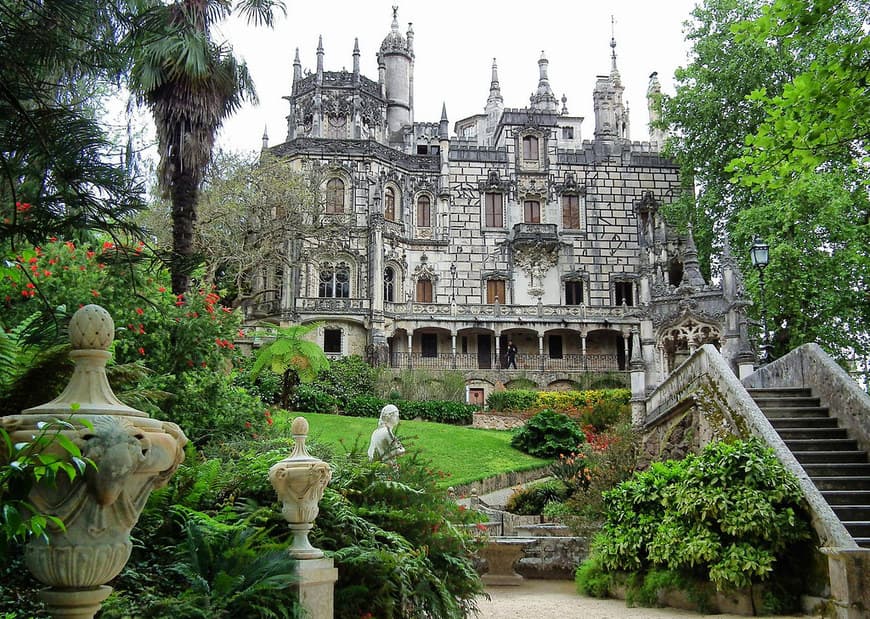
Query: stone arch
676, 342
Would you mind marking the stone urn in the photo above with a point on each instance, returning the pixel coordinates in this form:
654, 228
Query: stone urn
300, 480
131, 454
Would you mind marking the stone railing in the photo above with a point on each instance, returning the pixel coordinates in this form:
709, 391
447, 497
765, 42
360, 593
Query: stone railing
332, 305
808, 366
528, 362
476, 310
706, 380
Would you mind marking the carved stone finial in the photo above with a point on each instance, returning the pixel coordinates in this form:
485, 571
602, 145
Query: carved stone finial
91, 328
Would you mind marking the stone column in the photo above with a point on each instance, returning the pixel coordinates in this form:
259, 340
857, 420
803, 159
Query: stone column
541, 349
300, 480
453, 348
131, 453
410, 350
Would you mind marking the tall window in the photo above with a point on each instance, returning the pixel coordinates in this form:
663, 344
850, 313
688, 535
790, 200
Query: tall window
389, 204
571, 212
493, 211
495, 290
573, 293
532, 212
530, 147
335, 196
334, 281
623, 292
428, 345
424, 291
424, 212
555, 344
332, 341
389, 284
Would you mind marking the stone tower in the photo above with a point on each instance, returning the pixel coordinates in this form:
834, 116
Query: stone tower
396, 56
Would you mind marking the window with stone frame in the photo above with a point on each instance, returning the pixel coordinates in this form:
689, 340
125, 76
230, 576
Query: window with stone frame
424, 291
334, 196
334, 281
495, 291
573, 292
493, 209
568, 133
332, 341
623, 293
530, 148
532, 211
571, 212
389, 284
424, 212
390, 204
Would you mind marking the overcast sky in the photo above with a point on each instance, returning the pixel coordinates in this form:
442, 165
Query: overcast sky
455, 42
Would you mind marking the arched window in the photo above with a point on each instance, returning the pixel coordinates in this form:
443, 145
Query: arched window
389, 204
334, 281
424, 291
424, 212
530, 147
389, 284
335, 196
532, 212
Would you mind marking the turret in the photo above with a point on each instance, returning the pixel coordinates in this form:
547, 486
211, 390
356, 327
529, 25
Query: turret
356, 61
297, 71
543, 99
654, 105
397, 57
611, 117
265, 138
320, 60
494, 104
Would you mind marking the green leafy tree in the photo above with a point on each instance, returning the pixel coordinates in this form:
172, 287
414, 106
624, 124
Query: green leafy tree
296, 359
745, 88
191, 83
60, 174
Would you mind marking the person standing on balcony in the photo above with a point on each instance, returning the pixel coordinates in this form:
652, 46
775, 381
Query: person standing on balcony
511, 354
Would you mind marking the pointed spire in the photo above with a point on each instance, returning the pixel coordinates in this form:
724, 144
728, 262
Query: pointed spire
614, 72
544, 99
443, 125
265, 137
494, 86
410, 37
356, 60
297, 69
394, 27
320, 59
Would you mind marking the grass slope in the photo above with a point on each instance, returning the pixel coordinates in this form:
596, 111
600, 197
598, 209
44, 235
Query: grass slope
465, 455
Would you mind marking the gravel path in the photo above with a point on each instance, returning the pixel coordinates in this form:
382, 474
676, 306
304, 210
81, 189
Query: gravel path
557, 599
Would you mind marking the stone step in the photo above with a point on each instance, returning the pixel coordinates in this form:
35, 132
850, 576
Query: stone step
765, 402
796, 411
837, 469
824, 457
803, 422
857, 528
821, 444
852, 512
781, 392
863, 542
843, 482
846, 497
789, 434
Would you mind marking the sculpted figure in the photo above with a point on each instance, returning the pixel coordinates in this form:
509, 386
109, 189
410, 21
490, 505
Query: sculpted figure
384, 444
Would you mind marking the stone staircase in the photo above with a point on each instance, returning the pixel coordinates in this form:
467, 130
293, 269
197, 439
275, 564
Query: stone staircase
832, 460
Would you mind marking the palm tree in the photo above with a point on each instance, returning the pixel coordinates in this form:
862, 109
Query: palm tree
191, 85
297, 360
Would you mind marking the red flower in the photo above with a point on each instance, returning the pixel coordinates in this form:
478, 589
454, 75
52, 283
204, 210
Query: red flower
22, 206
46, 273
140, 311
141, 351
95, 293
89, 254
108, 245
32, 260
30, 285
161, 289
247, 424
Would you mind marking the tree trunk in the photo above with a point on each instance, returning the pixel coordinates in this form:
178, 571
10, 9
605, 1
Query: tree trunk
288, 387
183, 194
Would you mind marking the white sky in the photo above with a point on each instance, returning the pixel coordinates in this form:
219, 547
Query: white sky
455, 42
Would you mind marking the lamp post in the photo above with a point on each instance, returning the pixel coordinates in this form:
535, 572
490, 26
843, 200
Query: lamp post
452, 281
759, 253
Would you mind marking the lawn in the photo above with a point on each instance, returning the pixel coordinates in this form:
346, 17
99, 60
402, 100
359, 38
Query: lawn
466, 455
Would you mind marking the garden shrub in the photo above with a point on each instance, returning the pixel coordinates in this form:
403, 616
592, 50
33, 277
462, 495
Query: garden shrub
310, 399
532, 499
363, 406
548, 434
731, 516
511, 400
441, 411
346, 378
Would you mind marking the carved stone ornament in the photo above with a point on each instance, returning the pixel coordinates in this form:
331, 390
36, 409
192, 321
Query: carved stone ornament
132, 455
300, 480
535, 259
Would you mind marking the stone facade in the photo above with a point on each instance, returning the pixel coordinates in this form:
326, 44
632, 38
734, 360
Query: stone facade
514, 228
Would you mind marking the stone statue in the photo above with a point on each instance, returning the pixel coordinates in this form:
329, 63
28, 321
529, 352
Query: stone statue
385, 446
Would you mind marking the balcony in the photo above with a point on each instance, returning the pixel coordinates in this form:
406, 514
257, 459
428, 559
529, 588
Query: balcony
525, 362
332, 305
535, 233
470, 311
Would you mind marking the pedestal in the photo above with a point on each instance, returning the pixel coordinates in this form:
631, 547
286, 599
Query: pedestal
74, 603
316, 586
501, 555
